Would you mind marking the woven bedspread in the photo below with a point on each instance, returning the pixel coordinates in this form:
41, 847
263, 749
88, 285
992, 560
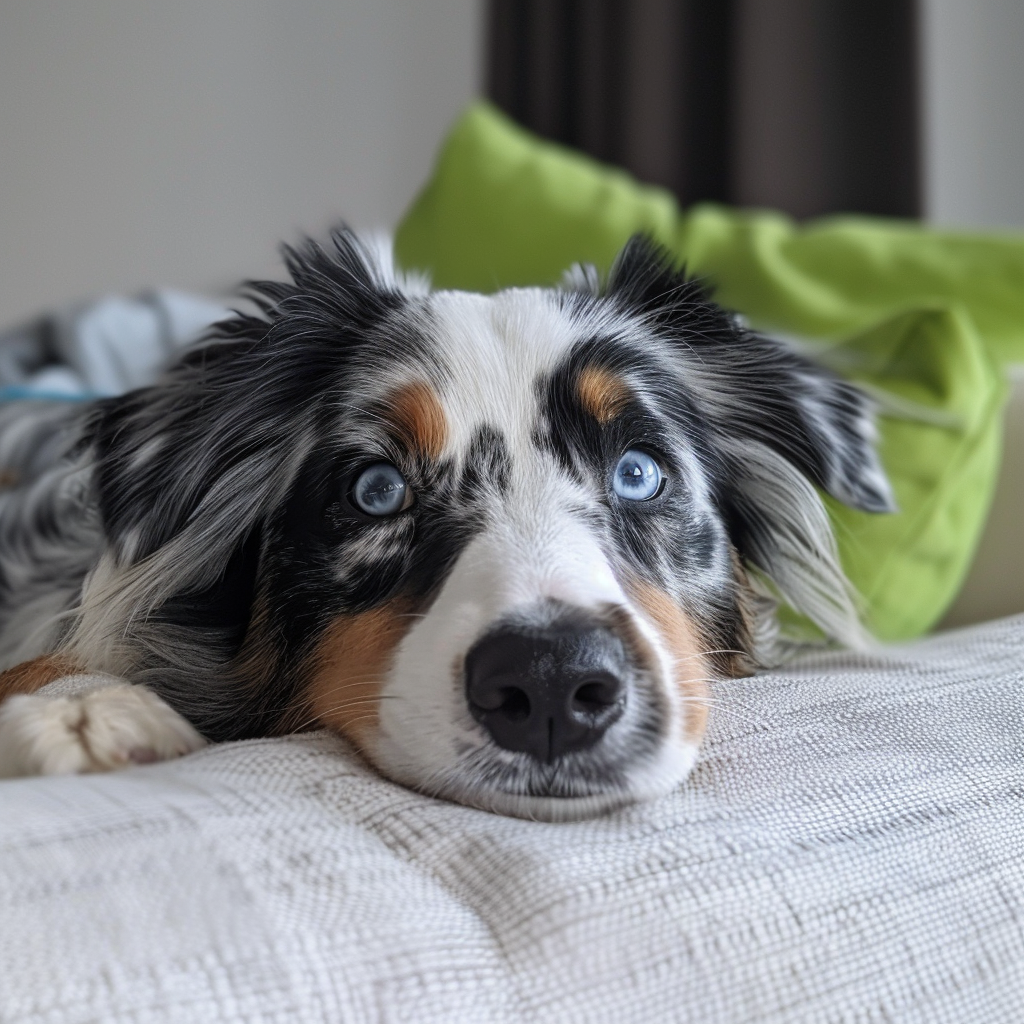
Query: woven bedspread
850, 848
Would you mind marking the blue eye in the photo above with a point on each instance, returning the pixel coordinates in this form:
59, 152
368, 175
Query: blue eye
637, 476
380, 490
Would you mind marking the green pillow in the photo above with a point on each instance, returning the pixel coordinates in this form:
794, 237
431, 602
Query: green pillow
940, 443
922, 318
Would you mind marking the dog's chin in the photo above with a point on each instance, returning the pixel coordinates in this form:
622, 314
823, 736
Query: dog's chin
541, 808
555, 796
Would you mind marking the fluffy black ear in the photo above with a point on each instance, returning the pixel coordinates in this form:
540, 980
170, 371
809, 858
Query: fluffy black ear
757, 388
200, 456
188, 472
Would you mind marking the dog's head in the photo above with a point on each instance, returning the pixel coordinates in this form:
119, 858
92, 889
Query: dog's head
502, 543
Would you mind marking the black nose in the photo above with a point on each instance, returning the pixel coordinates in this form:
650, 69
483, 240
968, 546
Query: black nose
547, 691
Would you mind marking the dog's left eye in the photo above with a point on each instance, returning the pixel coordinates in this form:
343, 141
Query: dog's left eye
637, 476
380, 490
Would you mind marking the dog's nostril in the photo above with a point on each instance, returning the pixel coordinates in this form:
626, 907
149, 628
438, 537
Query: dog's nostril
510, 702
597, 694
515, 704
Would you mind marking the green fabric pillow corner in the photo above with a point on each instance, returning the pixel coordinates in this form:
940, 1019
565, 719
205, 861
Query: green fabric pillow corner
940, 431
922, 318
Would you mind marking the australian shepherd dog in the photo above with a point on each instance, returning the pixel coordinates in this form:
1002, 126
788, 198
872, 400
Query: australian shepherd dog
503, 544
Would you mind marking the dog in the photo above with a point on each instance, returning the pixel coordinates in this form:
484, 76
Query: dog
502, 544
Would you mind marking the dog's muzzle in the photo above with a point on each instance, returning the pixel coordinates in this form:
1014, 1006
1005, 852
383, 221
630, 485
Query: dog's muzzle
547, 690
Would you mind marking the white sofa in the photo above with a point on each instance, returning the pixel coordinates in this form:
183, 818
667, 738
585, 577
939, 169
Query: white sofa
849, 848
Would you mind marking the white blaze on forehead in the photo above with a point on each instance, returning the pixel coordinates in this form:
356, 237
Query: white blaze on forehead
536, 546
496, 348
483, 357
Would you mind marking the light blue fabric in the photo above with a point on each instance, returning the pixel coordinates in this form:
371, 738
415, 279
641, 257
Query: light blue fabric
101, 348
16, 393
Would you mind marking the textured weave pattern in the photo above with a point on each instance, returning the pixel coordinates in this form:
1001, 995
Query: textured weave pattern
850, 848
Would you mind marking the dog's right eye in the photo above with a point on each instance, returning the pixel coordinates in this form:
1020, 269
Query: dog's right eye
380, 490
637, 476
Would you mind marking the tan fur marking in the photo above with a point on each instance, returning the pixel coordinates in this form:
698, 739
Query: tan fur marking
33, 675
603, 394
8, 479
416, 414
690, 664
348, 670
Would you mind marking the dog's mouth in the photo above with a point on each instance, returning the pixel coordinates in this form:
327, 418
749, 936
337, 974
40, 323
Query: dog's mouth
570, 778
574, 786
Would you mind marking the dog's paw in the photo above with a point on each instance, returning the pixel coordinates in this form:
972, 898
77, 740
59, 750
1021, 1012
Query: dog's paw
99, 730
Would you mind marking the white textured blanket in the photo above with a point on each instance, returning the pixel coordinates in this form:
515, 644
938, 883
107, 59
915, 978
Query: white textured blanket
850, 848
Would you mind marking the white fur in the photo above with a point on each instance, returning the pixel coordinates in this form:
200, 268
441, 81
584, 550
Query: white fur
89, 723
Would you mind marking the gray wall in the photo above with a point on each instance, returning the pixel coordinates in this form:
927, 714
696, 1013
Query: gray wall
178, 142
974, 123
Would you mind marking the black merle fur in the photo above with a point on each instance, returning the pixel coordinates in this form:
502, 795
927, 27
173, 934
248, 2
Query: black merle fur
235, 447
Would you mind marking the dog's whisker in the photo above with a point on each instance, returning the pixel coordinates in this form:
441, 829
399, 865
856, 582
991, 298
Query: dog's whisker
287, 710
719, 706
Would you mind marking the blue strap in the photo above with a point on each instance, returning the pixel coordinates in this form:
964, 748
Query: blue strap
17, 392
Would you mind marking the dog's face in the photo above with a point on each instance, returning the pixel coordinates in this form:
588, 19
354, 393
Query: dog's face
502, 543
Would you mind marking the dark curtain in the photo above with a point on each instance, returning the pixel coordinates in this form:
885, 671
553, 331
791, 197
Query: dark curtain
809, 106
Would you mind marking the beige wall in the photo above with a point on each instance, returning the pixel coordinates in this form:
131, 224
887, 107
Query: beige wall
974, 107
178, 142
974, 177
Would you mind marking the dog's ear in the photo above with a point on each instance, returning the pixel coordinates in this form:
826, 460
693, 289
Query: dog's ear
201, 456
776, 423
757, 388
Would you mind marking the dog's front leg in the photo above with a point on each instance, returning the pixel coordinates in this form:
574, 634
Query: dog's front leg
84, 722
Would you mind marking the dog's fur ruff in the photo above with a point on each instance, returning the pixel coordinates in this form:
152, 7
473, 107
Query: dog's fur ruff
199, 537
